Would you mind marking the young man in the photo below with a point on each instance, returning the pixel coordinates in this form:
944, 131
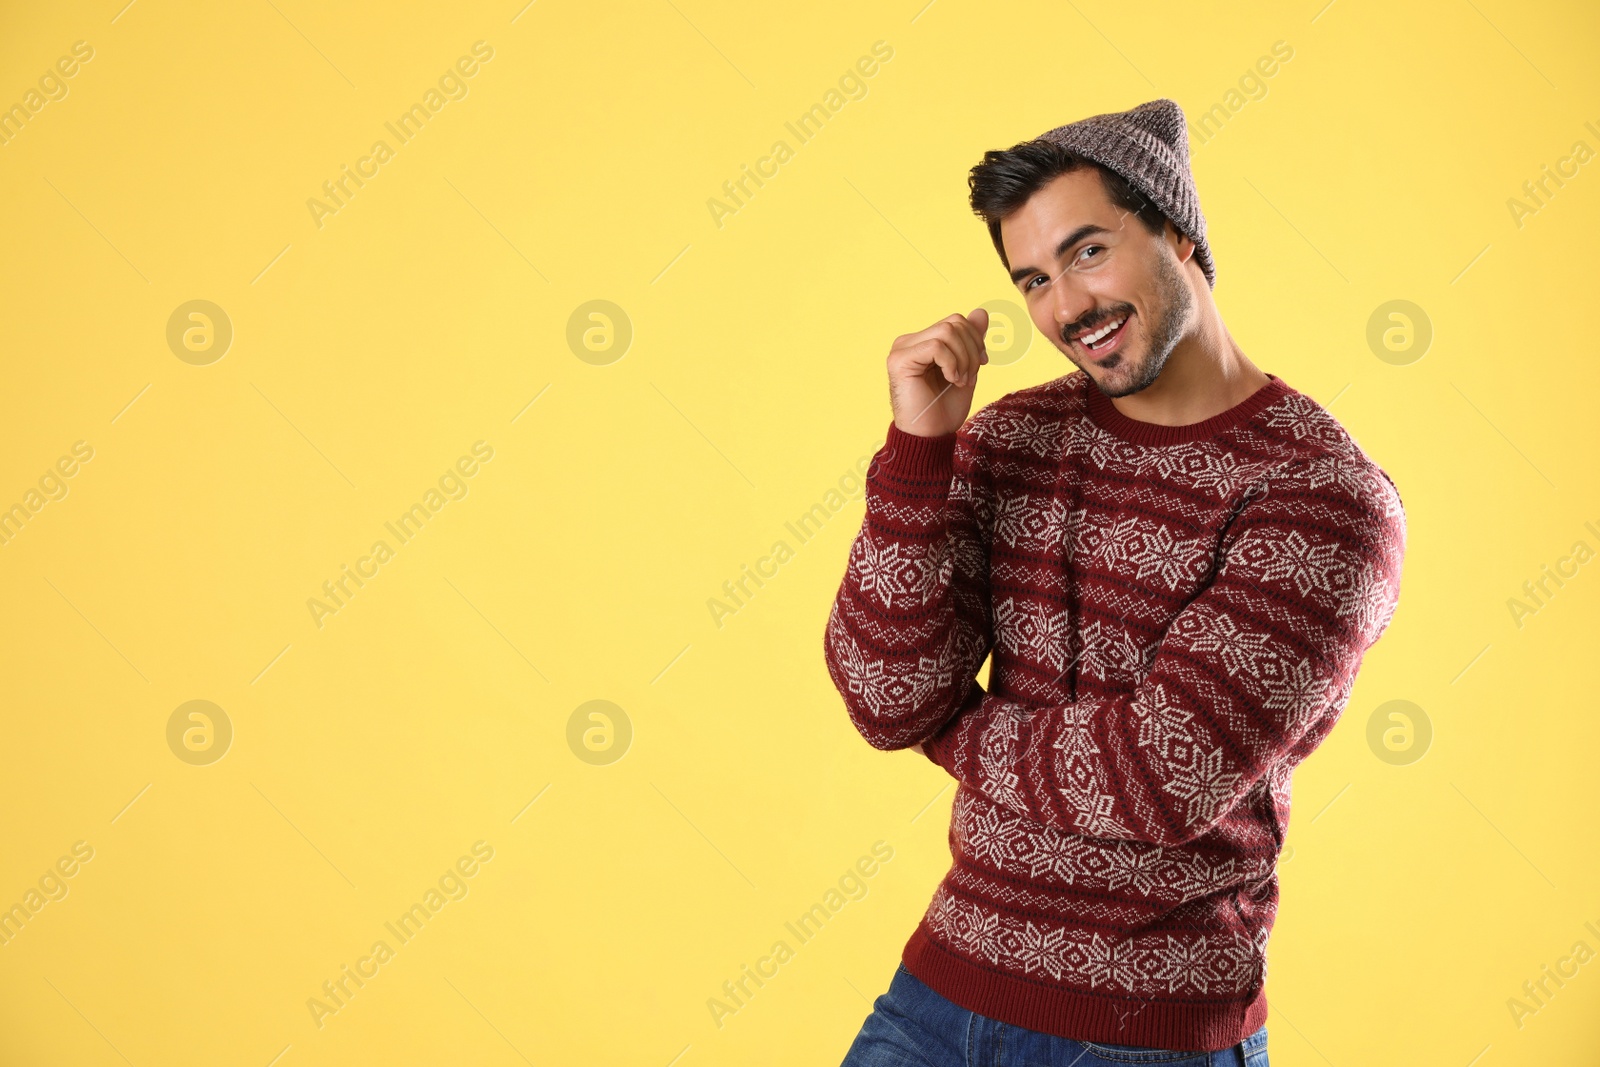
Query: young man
1177, 561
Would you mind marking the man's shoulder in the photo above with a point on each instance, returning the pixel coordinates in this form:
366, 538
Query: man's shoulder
1323, 458
1030, 419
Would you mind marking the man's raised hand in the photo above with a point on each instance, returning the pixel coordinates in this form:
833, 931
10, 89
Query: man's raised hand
933, 373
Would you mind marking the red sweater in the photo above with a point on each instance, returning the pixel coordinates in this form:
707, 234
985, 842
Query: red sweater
1176, 616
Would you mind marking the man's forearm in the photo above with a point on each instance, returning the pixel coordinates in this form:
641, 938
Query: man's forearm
910, 624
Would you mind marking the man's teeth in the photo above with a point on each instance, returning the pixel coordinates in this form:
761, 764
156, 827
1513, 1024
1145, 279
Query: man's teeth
1102, 332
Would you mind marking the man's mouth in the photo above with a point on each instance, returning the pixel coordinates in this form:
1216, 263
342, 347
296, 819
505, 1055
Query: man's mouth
1105, 338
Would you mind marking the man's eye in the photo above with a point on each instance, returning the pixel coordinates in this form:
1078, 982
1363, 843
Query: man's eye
1088, 249
1036, 279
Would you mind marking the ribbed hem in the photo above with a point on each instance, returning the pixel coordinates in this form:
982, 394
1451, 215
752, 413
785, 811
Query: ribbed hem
1105, 415
1082, 1016
910, 456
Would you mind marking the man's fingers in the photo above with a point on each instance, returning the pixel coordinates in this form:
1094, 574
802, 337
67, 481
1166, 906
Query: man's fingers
956, 336
968, 340
969, 331
954, 344
971, 334
980, 322
944, 352
939, 329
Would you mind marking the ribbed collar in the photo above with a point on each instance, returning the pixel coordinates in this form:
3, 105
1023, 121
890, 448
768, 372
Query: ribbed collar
1106, 416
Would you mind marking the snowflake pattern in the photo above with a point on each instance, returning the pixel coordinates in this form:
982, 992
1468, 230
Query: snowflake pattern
1055, 854
1294, 692
987, 837
1022, 522
992, 836
1001, 775
1186, 965
1346, 471
1111, 653
1291, 560
1162, 720
888, 571
1158, 963
1137, 867
1040, 949
1204, 783
1033, 631
1294, 417
1158, 554
1024, 432
1236, 647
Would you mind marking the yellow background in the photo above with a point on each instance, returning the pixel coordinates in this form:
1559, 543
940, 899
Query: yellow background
369, 353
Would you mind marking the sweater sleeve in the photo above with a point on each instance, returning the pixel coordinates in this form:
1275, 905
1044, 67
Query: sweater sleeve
1255, 668
911, 623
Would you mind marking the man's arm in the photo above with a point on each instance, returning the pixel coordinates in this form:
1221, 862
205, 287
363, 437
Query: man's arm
1258, 665
911, 623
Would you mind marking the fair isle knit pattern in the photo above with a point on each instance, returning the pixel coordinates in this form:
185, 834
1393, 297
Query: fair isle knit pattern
1176, 616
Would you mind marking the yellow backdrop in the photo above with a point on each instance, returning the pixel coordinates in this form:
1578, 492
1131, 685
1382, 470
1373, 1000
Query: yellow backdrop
431, 445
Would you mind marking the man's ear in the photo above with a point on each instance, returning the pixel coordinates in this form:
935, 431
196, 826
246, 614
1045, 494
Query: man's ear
1182, 247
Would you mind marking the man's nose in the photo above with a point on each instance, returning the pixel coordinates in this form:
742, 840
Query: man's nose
1072, 304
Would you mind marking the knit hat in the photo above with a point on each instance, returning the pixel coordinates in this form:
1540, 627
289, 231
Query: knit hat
1149, 147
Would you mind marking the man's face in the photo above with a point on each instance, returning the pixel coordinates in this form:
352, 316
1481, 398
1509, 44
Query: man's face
1082, 263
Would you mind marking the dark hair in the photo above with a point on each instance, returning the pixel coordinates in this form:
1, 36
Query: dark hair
1005, 180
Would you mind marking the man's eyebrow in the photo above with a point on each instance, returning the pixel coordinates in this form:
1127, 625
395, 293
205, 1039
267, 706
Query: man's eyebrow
1088, 229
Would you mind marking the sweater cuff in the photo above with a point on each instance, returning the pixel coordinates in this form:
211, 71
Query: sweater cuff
908, 455
932, 747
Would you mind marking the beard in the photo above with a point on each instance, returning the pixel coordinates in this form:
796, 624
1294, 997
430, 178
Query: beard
1176, 302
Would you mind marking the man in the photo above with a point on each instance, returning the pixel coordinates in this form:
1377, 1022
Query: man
1177, 561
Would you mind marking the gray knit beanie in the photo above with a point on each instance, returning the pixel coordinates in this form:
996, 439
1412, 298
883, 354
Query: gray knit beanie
1149, 146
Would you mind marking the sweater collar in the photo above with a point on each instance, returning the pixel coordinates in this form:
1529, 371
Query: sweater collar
1105, 415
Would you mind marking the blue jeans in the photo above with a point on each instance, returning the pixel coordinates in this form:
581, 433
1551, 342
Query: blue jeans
912, 1026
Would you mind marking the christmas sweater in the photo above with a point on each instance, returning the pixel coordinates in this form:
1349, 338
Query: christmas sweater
1175, 615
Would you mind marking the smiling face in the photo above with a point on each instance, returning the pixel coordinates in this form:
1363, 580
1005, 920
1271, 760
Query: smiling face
1082, 263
